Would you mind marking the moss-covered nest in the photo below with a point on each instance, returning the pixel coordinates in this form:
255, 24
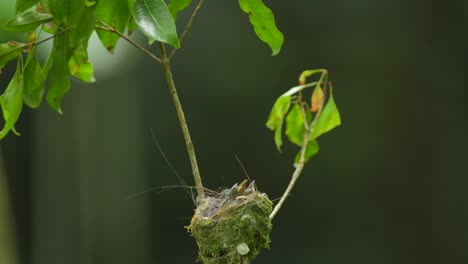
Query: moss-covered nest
232, 226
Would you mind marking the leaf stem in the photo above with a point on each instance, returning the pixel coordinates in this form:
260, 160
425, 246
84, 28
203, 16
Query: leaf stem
183, 123
189, 25
108, 28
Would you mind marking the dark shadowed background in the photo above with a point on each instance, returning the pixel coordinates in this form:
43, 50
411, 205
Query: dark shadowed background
388, 186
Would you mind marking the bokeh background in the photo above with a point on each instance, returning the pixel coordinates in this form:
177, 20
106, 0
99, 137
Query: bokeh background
388, 186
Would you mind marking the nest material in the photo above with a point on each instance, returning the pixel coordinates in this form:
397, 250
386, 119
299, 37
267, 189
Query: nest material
232, 226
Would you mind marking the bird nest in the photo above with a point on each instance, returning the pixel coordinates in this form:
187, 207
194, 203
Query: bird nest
232, 226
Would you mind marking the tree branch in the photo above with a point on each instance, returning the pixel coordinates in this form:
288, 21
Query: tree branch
189, 25
183, 123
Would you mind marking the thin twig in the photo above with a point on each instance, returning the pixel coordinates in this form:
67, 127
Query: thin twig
295, 176
190, 194
183, 123
108, 28
189, 25
51, 37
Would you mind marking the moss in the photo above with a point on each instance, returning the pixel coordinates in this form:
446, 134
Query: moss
232, 226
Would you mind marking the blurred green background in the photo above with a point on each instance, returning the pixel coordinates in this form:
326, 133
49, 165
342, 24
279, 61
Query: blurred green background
388, 186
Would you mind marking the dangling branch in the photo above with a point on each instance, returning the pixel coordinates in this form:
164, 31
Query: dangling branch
300, 165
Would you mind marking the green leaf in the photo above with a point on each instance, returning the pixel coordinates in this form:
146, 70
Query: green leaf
59, 83
311, 150
295, 124
328, 119
276, 118
27, 22
131, 24
81, 21
23, 5
59, 8
80, 67
34, 81
9, 51
115, 13
155, 21
175, 6
11, 102
263, 21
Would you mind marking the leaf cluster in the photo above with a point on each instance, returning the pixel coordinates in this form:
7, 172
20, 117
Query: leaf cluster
71, 24
305, 120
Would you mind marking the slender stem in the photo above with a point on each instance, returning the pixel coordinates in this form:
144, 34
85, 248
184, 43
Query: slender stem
108, 28
189, 25
295, 176
183, 123
49, 38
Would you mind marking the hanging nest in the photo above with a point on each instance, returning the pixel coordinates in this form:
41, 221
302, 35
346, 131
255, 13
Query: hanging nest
231, 227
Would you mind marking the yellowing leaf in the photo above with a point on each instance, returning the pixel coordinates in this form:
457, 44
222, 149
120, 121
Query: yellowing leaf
80, 66
305, 74
328, 119
317, 99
